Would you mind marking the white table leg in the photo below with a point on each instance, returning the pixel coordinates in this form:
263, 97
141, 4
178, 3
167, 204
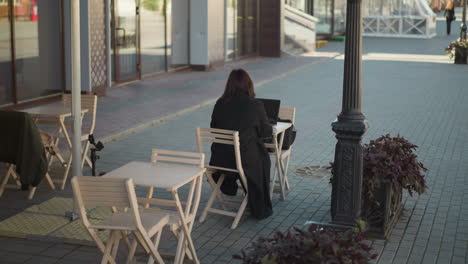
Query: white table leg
184, 235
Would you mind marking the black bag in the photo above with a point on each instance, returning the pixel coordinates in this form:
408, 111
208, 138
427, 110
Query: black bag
289, 136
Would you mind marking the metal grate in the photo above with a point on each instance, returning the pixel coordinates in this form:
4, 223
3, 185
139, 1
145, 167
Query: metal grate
98, 33
318, 172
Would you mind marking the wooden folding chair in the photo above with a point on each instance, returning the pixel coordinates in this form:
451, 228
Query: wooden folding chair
118, 193
227, 137
11, 173
193, 197
89, 102
51, 147
285, 113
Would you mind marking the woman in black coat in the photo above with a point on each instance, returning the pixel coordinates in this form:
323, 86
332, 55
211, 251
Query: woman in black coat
238, 110
449, 15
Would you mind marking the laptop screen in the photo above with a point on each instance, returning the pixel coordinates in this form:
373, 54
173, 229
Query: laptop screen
271, 108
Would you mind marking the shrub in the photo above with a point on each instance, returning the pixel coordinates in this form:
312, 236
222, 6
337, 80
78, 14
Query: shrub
315, 244
391, 159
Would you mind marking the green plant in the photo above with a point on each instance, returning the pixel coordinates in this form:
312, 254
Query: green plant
392, 159
454, 45
316, 244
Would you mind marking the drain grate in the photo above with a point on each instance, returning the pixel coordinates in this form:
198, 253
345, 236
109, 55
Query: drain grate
317, 172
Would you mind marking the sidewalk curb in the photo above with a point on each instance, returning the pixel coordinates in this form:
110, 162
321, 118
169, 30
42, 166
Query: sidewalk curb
161, 120
169, 117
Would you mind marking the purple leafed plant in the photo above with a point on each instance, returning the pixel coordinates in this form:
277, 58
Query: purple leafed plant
392, 159
313, 245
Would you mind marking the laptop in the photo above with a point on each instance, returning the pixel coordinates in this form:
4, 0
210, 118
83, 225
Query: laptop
272, 107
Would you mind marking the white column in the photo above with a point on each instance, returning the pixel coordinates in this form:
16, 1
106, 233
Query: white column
76, 87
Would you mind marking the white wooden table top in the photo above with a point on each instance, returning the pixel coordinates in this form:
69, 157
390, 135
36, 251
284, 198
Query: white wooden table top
159, 175
280, 127
52, 110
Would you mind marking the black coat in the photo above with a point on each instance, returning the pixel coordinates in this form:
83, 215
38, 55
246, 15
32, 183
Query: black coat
21, 144
450, 14
248, 116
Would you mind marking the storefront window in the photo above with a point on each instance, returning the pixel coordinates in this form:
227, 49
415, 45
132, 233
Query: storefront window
38, 48
241, 33
6, 83
230, 29
152, 37
169, 48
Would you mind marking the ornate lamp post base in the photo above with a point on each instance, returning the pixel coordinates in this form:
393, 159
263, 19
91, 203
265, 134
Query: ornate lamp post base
346, 187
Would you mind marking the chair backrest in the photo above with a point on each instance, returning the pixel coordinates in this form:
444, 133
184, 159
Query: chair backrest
222, 136
287, 113
88, 101
186, 158
92, 192
180, 157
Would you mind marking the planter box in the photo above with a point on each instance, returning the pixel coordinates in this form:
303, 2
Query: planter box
461, 55
382, 218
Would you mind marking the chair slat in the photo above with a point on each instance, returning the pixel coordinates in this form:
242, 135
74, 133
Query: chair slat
176, 159
155, 201
221, 141
217, 130
217, 135
94, 203
221, 168
287, 113
177, 153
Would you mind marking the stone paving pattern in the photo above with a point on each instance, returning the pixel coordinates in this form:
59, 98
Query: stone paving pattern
424, 101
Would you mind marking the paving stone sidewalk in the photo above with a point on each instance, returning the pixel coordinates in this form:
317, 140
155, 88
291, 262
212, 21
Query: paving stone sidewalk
412, 90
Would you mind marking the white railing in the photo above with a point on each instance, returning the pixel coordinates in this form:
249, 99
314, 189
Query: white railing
300, 27
300, 17
399, 26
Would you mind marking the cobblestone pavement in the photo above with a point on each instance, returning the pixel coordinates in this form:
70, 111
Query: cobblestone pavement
409, 88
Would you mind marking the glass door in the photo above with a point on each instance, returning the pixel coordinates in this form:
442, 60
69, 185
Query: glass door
126, 40
250, 27
246, 27
153, 42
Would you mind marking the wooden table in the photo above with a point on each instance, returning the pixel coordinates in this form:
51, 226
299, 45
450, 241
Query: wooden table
279, 129
169, 177
56, 112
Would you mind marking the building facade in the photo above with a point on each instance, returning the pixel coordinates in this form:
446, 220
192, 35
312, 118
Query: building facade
126, 40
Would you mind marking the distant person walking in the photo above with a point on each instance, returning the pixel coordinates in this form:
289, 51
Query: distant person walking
449, 15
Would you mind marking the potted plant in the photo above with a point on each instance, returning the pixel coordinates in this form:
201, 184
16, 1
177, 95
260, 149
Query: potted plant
458, 49
313, 245
389, 167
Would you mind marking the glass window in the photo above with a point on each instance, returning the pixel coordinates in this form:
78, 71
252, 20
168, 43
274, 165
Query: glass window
38, 48
152, 36
169, 31
6, 82
246, 43
230, 29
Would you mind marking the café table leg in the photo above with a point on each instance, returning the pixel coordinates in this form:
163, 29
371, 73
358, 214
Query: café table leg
67, 171
278, 163
184, 235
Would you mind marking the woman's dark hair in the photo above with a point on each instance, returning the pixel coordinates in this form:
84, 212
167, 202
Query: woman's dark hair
238, 83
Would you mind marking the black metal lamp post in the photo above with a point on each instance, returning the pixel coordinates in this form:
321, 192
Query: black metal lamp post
463, 25
349, 127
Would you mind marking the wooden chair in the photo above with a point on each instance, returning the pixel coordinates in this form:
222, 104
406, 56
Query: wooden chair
49, 147
89, 102
285, 113
12, 174
92, 191
193, 198
227, 137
